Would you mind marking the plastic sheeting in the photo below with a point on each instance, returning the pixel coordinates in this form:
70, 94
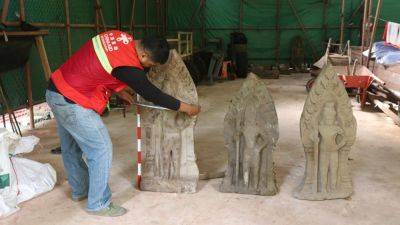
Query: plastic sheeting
384, 53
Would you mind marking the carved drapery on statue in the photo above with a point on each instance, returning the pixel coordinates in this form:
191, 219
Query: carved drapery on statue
328, 130
251, 133
169, 162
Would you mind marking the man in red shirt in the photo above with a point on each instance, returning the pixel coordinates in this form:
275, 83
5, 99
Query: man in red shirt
78, 92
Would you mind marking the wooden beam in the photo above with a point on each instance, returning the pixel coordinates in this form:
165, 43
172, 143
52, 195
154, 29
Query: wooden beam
132, 26
324, 20
100, 11
241, 15
43, 56
158, 15
146, 19
374, 28
4, 11
28, 80
68, 26
25, 33
22, 16
278, 32
365, 28
386, 109
203, 23
118, 13
342, 10
303, 28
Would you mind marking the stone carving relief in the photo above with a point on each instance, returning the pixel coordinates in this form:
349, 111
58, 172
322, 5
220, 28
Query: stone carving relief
328, 130
251, 133
169, 162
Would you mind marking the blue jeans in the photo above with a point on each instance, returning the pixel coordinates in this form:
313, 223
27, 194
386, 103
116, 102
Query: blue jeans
82, 131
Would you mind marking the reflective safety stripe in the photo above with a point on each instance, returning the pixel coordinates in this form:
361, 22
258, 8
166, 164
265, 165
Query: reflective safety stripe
101, 54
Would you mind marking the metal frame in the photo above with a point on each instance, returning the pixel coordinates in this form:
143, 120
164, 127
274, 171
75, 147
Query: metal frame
184, 42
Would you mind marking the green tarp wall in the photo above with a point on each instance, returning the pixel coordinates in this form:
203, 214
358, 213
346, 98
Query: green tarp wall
258, 20
218, 19
81, 12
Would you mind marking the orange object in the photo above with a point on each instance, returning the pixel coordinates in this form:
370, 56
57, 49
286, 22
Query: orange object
224, 73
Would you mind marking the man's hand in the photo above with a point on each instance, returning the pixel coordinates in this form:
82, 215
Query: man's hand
189, 109
127, 95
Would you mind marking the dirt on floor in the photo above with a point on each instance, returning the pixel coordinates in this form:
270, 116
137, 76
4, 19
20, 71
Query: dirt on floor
375, 168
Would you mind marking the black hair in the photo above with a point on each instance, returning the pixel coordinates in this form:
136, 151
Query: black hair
157, 47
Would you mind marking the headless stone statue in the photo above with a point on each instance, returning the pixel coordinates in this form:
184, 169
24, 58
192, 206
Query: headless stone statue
251, 134
328, 130
169, 162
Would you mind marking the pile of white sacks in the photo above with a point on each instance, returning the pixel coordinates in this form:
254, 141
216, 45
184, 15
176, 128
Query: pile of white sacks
21, 179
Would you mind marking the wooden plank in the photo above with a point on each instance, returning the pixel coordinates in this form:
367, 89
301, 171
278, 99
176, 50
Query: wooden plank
43, 56
28, 80
26, 33
386, 109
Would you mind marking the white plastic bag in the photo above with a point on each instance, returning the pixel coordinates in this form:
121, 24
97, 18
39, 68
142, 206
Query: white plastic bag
8, 184
25, 145
21, 179
33, 178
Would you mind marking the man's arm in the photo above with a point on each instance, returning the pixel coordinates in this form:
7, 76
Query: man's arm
137, 80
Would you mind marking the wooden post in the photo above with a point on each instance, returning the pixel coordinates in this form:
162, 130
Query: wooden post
241, 15
371, 42
22, 10
132, 26
118, 13
324, 20
165, 17
203, 23
68, 26
278, 32
364, 28
100, 11
97, 21
145, 16
4, 11
158, 16
43, 56
303, 28
28, 79
342, 23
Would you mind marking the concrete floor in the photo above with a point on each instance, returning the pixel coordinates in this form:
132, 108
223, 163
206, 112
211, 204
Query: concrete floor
375, 167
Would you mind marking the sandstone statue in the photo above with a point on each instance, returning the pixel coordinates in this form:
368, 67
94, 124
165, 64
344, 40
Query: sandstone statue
251, 134
328, 130
168, 158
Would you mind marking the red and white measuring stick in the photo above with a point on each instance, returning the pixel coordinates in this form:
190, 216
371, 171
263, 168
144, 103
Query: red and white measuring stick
139, 144
139, 136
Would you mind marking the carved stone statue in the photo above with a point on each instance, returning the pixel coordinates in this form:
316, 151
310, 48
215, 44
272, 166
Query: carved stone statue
169, 162
251, 133
328, 130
